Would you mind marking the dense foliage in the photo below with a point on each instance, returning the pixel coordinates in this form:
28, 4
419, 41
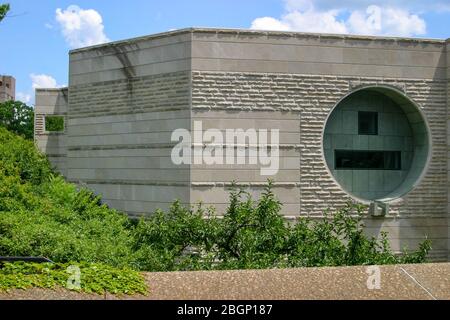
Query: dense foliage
84, 277
42, 215
17, 117
252, 234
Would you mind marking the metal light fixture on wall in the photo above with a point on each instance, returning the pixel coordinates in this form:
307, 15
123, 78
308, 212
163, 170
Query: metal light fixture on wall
378, 209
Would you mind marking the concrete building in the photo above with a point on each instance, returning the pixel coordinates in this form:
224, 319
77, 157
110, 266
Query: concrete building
50, 104
362, 118
7, 88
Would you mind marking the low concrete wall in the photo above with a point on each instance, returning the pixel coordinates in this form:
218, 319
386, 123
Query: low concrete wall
397, 282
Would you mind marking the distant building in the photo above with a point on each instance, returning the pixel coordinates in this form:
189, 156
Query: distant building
359, 118
7, 88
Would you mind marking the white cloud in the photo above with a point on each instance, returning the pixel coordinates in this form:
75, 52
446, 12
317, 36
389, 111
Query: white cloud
269, 23
81, 28
302, 15
24, 97
388, 21
37, 81
315, 21
43, 81
409, 5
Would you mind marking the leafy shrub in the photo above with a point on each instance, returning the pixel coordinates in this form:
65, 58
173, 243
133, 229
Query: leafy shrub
20, 158
42, 215
255, 235
94, 278
73, 227
170, 241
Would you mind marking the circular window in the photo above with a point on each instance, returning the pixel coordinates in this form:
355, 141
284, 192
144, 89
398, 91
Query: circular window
376, 144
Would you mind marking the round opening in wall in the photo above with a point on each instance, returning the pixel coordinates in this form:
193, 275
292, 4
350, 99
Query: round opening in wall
376, 144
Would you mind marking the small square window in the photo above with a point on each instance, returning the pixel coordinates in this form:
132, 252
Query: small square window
367, 123
54, 123
7, 85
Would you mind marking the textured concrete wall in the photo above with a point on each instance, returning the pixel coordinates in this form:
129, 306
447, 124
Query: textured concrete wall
422, 211
255, 72
53, 144
125, 100
134, 58
126, 158
210, 183
281, 52
313, 97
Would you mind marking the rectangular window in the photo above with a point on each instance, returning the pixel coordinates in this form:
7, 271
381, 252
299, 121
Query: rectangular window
367, 160
54, 123
367, 123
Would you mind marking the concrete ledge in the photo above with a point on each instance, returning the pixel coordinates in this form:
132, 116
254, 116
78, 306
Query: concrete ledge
260, 33
413, 282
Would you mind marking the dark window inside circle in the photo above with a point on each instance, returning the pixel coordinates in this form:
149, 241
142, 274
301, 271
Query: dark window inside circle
367, 123
367, 160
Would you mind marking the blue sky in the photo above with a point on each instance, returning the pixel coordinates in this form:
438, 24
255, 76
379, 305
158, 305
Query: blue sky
36, 36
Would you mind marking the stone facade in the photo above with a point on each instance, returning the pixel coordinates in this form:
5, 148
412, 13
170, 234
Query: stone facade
7, 88
119, 142
126, 98
310, 99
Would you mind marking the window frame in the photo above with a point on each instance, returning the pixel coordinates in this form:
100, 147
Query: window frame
54, 116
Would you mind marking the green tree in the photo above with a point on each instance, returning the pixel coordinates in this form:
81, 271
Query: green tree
17, 117
4, 8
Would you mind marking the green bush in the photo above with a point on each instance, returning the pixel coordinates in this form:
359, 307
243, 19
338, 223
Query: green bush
253, 234
20, 158
74, 227
42, 215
